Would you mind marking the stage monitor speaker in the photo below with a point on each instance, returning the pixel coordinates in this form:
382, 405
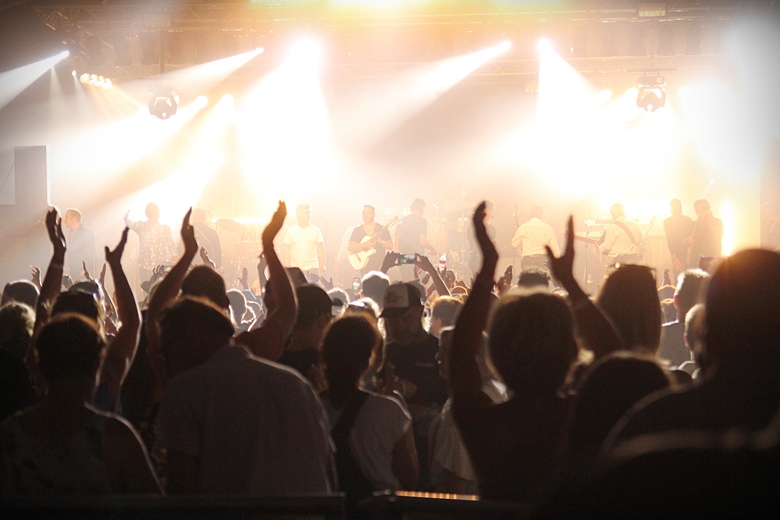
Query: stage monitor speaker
31, 176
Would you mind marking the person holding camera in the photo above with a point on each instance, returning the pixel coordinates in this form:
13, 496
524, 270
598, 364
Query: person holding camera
411, 235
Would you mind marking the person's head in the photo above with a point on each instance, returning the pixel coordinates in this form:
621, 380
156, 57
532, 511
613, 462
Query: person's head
22, 291
701, 206
533, 277
369, 213
537, 212
303, 214
237, 305
675, 206
72, 219
630, 298
691, 286
339, 300
743, 299
444, 310
607, 390
152, 212
198, 216
373, 285
347, 348
80, 302
364, 307
403, 310
532, 342
203, 281
16, 328
694, 331
70, 347
315, 310
617, 211
418, 206
191, 330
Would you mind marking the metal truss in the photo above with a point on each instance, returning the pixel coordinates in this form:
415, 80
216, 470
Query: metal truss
103, 22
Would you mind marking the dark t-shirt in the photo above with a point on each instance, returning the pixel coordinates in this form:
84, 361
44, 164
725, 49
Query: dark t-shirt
678, 228
417, 364
375, 261
408, 232
300, 360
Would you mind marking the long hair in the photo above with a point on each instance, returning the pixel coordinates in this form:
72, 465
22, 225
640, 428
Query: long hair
630, 298
347, 348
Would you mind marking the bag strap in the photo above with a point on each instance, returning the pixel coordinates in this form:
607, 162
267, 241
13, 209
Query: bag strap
343, 426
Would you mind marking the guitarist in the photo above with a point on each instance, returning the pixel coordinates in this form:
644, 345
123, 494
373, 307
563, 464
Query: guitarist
622, 242
381, 243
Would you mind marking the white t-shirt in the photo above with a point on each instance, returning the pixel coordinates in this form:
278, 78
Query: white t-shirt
256, 427
531, 237
303, 246
379, 425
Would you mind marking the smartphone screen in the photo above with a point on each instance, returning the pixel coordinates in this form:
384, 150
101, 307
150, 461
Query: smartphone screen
408, 258
356, 284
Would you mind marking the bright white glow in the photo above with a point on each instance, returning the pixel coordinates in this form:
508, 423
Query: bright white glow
544, 46
201, 102
74, 73
305, 53
392, 104
504, 46
64, 54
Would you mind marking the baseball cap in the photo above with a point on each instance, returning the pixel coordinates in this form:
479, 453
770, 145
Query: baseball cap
399, 298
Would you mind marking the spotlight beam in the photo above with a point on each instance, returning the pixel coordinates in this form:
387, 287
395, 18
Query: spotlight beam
14, 82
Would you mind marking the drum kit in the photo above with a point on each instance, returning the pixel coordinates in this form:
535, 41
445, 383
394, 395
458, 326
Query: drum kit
448, 232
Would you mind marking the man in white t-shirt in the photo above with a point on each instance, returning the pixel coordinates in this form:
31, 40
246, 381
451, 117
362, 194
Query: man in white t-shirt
531, 237
304, 246
623, 242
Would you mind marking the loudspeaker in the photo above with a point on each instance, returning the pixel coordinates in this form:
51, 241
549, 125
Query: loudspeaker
32, 176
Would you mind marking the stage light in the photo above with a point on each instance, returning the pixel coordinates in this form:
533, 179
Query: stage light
651, 94
164, 103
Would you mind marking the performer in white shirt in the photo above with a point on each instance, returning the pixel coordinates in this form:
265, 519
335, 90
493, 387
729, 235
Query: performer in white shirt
304, 246
623, 242
531, 237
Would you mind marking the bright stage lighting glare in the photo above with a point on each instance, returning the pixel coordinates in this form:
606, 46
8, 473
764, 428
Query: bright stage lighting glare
201, 102
544, 45
74, 73
64, 54
504, 46
306, 53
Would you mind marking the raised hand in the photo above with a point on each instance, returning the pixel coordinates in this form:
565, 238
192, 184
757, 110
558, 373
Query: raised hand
489, 252
204, 255
562, 267
243, 280
102, 277
85, 271
277, 221
35, 273
54, 228
114, 258
188, 234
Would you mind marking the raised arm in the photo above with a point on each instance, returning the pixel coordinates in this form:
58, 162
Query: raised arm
166, 291
465, 380
425, 264
283, 315
593, 326
121, 351
53, 279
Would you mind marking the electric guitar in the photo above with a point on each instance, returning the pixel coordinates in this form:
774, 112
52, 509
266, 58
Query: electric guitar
360, 259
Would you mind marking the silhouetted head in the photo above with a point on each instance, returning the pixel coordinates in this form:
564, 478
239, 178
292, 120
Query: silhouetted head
152, 212
743, 306
418, 206
16, 328
69, 346
347, 348
675, 206
203, 281
191, 330
617, 211
532, 342
22, 291
630, 298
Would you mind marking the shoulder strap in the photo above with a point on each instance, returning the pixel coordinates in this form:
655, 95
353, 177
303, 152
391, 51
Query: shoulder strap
347, 419
351, 479
625, 228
